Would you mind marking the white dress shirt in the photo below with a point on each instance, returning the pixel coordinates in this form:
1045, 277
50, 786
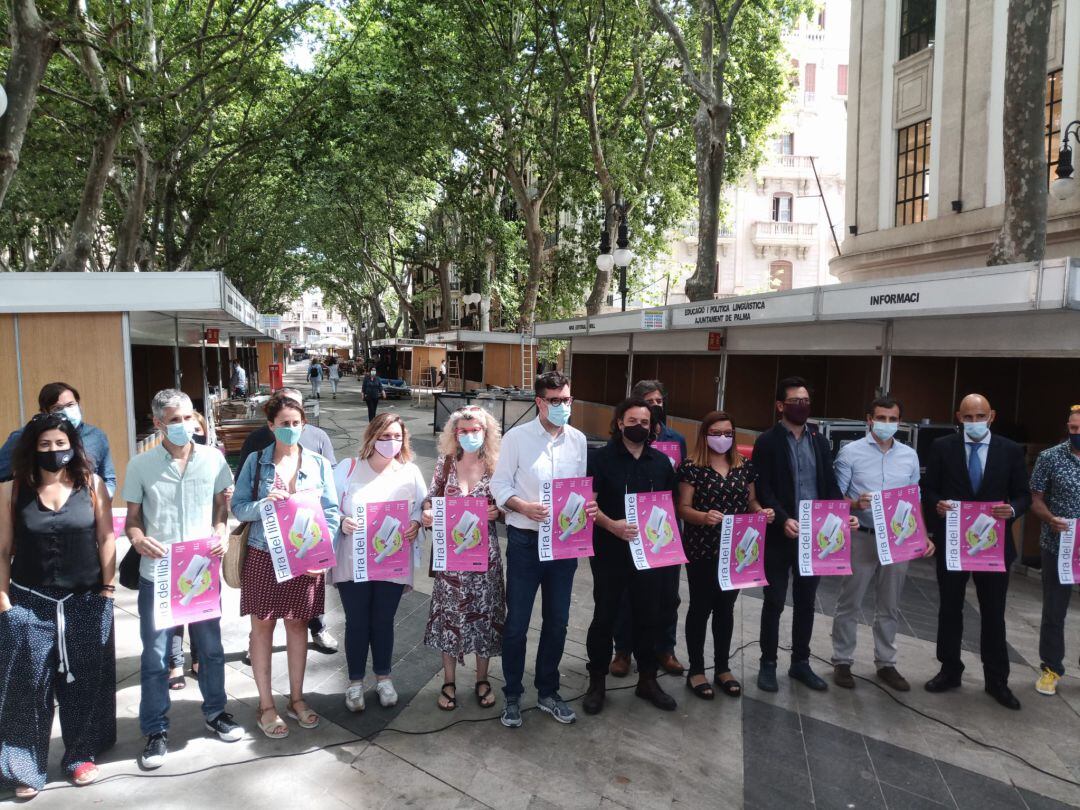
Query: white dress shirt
861, 466
529, 455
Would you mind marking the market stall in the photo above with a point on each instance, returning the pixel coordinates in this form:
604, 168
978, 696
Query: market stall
487, 360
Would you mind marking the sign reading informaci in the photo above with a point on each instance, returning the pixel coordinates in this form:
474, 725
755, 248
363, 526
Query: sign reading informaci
745, 310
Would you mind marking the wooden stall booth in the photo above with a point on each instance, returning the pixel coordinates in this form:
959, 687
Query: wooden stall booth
410, 359
119, 338
487, 360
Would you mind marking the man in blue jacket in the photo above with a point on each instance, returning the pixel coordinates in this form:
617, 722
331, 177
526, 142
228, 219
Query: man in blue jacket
59, 397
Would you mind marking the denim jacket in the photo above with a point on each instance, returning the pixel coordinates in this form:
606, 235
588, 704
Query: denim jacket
315, 473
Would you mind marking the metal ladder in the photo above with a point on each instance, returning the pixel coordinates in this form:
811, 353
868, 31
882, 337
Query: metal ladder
528, 357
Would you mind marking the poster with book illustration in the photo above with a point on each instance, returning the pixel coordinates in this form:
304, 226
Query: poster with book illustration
899, 530
459, 534
742, 552
568, 530
187, 584
824, 538
1068, 561
974, 538
380, 550
297, 535
658, 543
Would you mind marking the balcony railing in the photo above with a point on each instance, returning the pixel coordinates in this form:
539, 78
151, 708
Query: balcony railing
768, 233
724, 233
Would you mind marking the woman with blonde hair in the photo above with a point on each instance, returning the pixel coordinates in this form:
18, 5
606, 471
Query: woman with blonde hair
714, 481
467, 608
381, 471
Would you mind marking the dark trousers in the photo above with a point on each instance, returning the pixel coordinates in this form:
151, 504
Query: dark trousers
370, 608
525, 573
707, 599
30, 685
991, 589
614, 577
1054, 608
782, 563
668, 617
372, 404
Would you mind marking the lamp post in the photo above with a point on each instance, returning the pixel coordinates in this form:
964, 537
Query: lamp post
622, 256
1065, 185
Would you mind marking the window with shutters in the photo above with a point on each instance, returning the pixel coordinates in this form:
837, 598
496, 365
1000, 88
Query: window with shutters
782, 207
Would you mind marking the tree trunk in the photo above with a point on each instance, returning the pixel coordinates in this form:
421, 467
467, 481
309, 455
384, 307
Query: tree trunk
443, 272
1022, 237
81, 239
130, 235
710, 130
32, 46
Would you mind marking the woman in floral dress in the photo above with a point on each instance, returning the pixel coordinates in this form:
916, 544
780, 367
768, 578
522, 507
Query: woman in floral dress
467, 609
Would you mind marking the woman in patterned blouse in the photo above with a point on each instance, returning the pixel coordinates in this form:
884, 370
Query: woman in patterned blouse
467, 609
713, 481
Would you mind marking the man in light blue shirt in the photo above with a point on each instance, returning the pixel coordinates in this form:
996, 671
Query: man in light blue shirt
869, 465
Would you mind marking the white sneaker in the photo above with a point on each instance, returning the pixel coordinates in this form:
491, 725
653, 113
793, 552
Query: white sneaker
354, 697
387, 693
324, 642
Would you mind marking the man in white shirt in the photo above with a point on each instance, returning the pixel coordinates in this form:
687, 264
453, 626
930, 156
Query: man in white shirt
544, 449
869, 465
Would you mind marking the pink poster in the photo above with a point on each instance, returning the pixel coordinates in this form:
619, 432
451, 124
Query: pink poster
824, 538
658, 543
297, 535
380, 550
671, 450
742, 552
898, 524
119, 519
459, 534
568, 531
1068, 561
187, 584
974, 539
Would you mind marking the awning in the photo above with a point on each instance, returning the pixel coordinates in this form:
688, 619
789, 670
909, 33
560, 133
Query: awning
470, 336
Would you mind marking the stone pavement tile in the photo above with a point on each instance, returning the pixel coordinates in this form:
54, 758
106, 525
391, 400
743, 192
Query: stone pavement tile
381, 779
973, 790
833, 797
907, 771
899, 799
1034, 801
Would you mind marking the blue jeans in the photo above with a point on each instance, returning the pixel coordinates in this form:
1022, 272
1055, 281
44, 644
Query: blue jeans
153, 678
370, 608
524, 574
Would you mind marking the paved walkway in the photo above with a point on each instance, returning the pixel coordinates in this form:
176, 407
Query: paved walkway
795, 749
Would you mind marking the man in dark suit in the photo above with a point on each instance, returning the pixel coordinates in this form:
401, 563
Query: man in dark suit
975, 466
793, 463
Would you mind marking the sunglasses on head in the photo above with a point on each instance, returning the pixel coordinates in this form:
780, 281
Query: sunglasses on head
57, 416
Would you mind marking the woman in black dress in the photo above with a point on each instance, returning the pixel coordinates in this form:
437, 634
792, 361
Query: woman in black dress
715, 480
57, 564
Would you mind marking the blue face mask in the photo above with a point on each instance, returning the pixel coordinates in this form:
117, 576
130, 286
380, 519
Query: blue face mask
288, 435
884, 430
1074, 440
558, 415
976, 431
74, 415
471, 442
180, 433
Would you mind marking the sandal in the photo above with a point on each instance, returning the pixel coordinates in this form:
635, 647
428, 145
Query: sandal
85, 774
451, 700
25, 792
305, 717
730, 687
176, 683
702, 690
276, 729
483, 699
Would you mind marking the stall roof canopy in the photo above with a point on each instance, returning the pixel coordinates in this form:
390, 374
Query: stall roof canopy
468, 336
158, 303
1052, 285
405, 344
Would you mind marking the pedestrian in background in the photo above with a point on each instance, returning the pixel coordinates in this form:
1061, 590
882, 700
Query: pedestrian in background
381, 471
334, 373
468, 609
372, 389
57, 566
274, 474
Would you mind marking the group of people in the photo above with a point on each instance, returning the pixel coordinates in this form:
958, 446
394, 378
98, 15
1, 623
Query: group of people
319, 371
58, 557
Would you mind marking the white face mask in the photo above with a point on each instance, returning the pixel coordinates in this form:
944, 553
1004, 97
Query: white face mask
976, 431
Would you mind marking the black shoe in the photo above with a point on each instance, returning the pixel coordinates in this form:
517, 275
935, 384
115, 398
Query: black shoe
1003, 695
225, 727
766, 678
594, 698
801, 672
153, 755
648, 689
943, 682
842, 676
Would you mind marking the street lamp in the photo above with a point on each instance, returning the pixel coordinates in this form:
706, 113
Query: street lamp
622, 256
1065, 185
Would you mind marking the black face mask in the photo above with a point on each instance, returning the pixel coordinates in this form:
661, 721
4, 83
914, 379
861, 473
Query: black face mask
54, 460
198, 439
658, 415
636, 433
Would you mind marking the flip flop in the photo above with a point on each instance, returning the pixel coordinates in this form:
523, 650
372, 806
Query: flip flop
177, 683
451, 700
306, 718
276, 729
480, 698
85, 774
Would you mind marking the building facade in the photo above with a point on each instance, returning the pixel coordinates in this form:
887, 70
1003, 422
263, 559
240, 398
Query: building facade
307, 322
784, 222
925, 168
